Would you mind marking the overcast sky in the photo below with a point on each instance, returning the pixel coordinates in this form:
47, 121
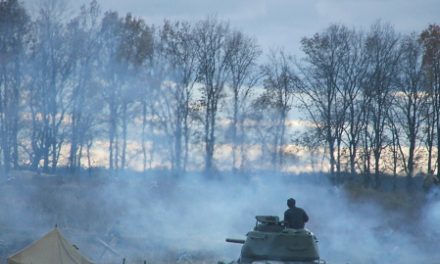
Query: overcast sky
282, 23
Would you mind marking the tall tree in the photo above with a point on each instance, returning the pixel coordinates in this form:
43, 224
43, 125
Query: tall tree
126, 42
14, 27
52, 64
327, 86
83, 34
410, 99
110, 37
280, 83
212, 56
353, 75
135, 48
179, 46
430, 38
383, 53
241, 64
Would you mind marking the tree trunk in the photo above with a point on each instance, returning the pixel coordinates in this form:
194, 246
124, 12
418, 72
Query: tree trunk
124, 135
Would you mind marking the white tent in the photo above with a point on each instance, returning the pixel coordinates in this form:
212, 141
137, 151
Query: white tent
53, 248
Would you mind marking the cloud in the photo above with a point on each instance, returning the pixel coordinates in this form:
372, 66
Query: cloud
281, 23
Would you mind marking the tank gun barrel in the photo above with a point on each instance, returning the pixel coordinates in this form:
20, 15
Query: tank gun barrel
233, 240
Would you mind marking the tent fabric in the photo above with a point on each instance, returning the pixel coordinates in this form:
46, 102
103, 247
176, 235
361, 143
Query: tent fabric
53, 248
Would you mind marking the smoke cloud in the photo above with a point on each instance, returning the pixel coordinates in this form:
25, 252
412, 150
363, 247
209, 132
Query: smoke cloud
160, 218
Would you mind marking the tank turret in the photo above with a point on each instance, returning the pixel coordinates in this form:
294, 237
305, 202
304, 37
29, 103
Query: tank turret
271, 241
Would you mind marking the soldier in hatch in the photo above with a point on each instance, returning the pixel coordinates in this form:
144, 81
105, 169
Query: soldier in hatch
295, 217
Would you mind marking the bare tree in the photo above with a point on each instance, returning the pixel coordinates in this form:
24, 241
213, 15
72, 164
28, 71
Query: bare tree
83, 97
430, 38
353, 74
429, 128
396, 145
14, 27
212, 57
154, 107
329, 86
241, 64
52, 62
280, 83
126, 45
261, 127
178, 44
110, 35
410, 99
135, 48
382, 51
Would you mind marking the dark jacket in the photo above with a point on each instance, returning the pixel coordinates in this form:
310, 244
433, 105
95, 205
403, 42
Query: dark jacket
295, 217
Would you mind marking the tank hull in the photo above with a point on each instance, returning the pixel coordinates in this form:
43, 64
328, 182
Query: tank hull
272, 243
289, 245
279, 262
288, 262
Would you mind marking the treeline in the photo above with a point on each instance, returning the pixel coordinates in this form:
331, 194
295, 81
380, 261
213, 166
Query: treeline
195, 94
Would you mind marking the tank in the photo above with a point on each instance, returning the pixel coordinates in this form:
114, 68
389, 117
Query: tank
271, 242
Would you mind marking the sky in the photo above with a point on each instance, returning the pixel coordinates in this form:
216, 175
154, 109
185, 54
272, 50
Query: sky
281, 23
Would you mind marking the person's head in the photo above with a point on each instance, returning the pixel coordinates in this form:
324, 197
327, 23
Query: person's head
291, 202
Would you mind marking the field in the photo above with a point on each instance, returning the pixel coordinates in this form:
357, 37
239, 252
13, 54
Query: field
157, 218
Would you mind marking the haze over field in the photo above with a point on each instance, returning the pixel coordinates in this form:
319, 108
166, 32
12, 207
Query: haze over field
158, 218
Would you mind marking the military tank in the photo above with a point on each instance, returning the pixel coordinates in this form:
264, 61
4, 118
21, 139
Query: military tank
271, 242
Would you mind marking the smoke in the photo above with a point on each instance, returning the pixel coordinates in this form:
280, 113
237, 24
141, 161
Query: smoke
160, 217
